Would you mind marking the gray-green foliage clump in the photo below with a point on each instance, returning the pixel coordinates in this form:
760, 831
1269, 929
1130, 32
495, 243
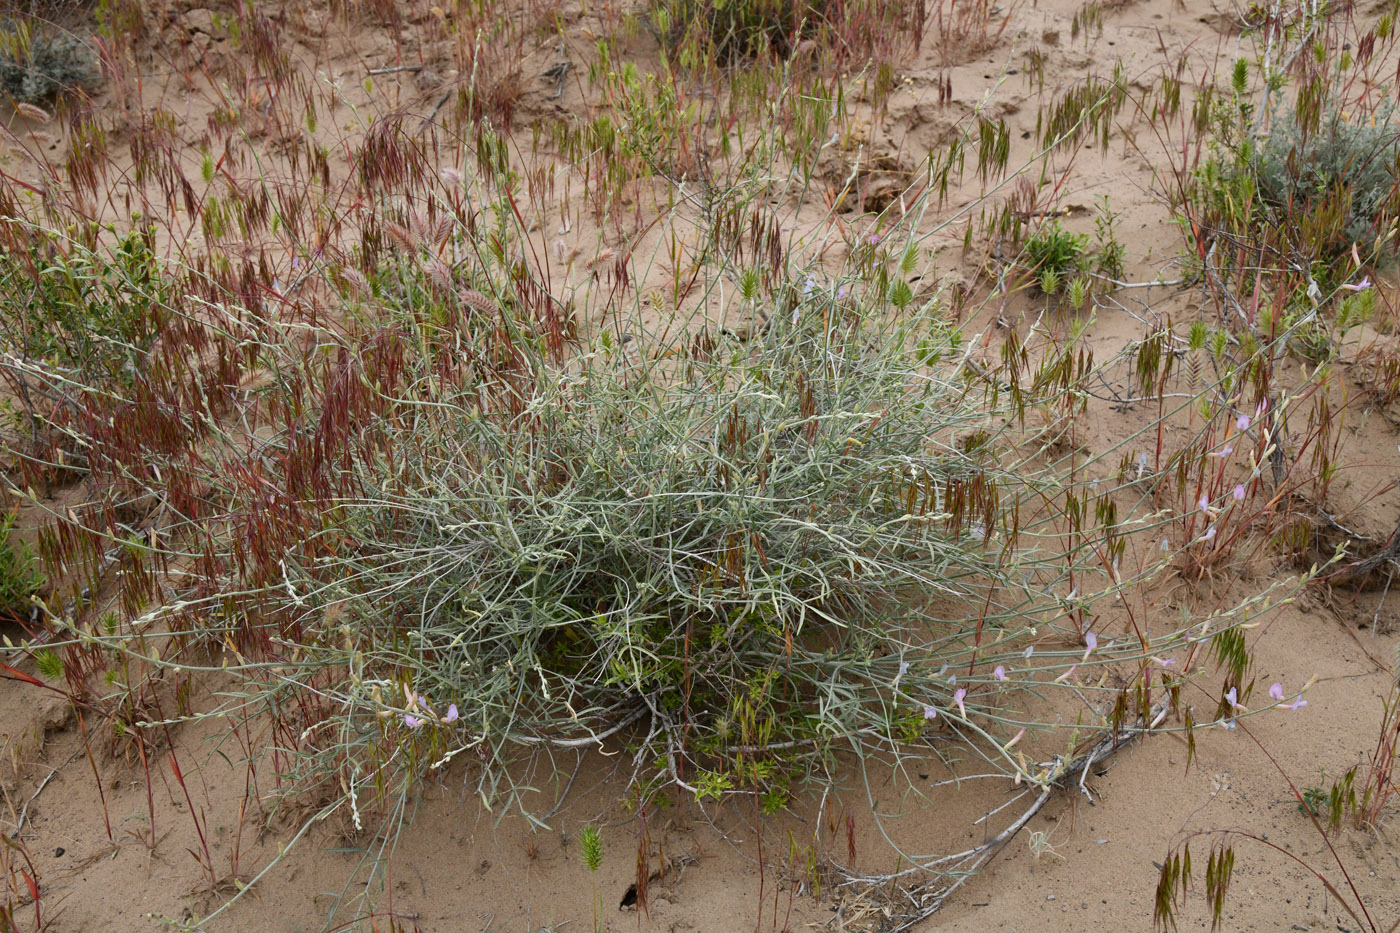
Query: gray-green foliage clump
1339, 180
34, 69
779, 544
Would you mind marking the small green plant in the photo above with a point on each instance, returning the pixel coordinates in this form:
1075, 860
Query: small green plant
1108, 251
1314, 802
592, 845
20, 578
78, 324
1055, 255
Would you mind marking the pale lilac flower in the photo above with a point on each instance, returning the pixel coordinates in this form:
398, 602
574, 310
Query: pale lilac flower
1165, 546
1210, 533
1166, 662
874, 238
1204, 504
903, 669
1242, 423
843, 291
1232, 697
452, 713
1030, 650
1361, 286
810, 284
958, 696
1238, 492
999, 672
952, 680
930, 713
1296, 704
1091, 641
412, 721
1276, 691
1224, 452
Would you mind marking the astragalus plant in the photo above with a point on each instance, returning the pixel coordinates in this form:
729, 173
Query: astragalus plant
747, 554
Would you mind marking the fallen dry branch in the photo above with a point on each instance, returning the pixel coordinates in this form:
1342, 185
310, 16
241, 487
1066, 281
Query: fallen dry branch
952, 871
1374, 570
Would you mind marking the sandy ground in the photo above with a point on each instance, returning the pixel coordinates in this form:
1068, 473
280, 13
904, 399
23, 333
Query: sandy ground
1087, 862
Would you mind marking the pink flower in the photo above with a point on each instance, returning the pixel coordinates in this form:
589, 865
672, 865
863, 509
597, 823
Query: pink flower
1091, 641
930, 713
1276, 691
1238, 492
958, 696
999, 672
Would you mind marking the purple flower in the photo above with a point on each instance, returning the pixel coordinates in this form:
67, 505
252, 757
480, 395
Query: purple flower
1296, 704
842, 292
1168, 662
1361, 286
451, 713
1242, 423
1204, 503
1232, 697
1276, 691
874, 238
412, 721
930, 713
999, 672
958, 696
1238, 492
1091, 641
1224, 451
1210, 533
